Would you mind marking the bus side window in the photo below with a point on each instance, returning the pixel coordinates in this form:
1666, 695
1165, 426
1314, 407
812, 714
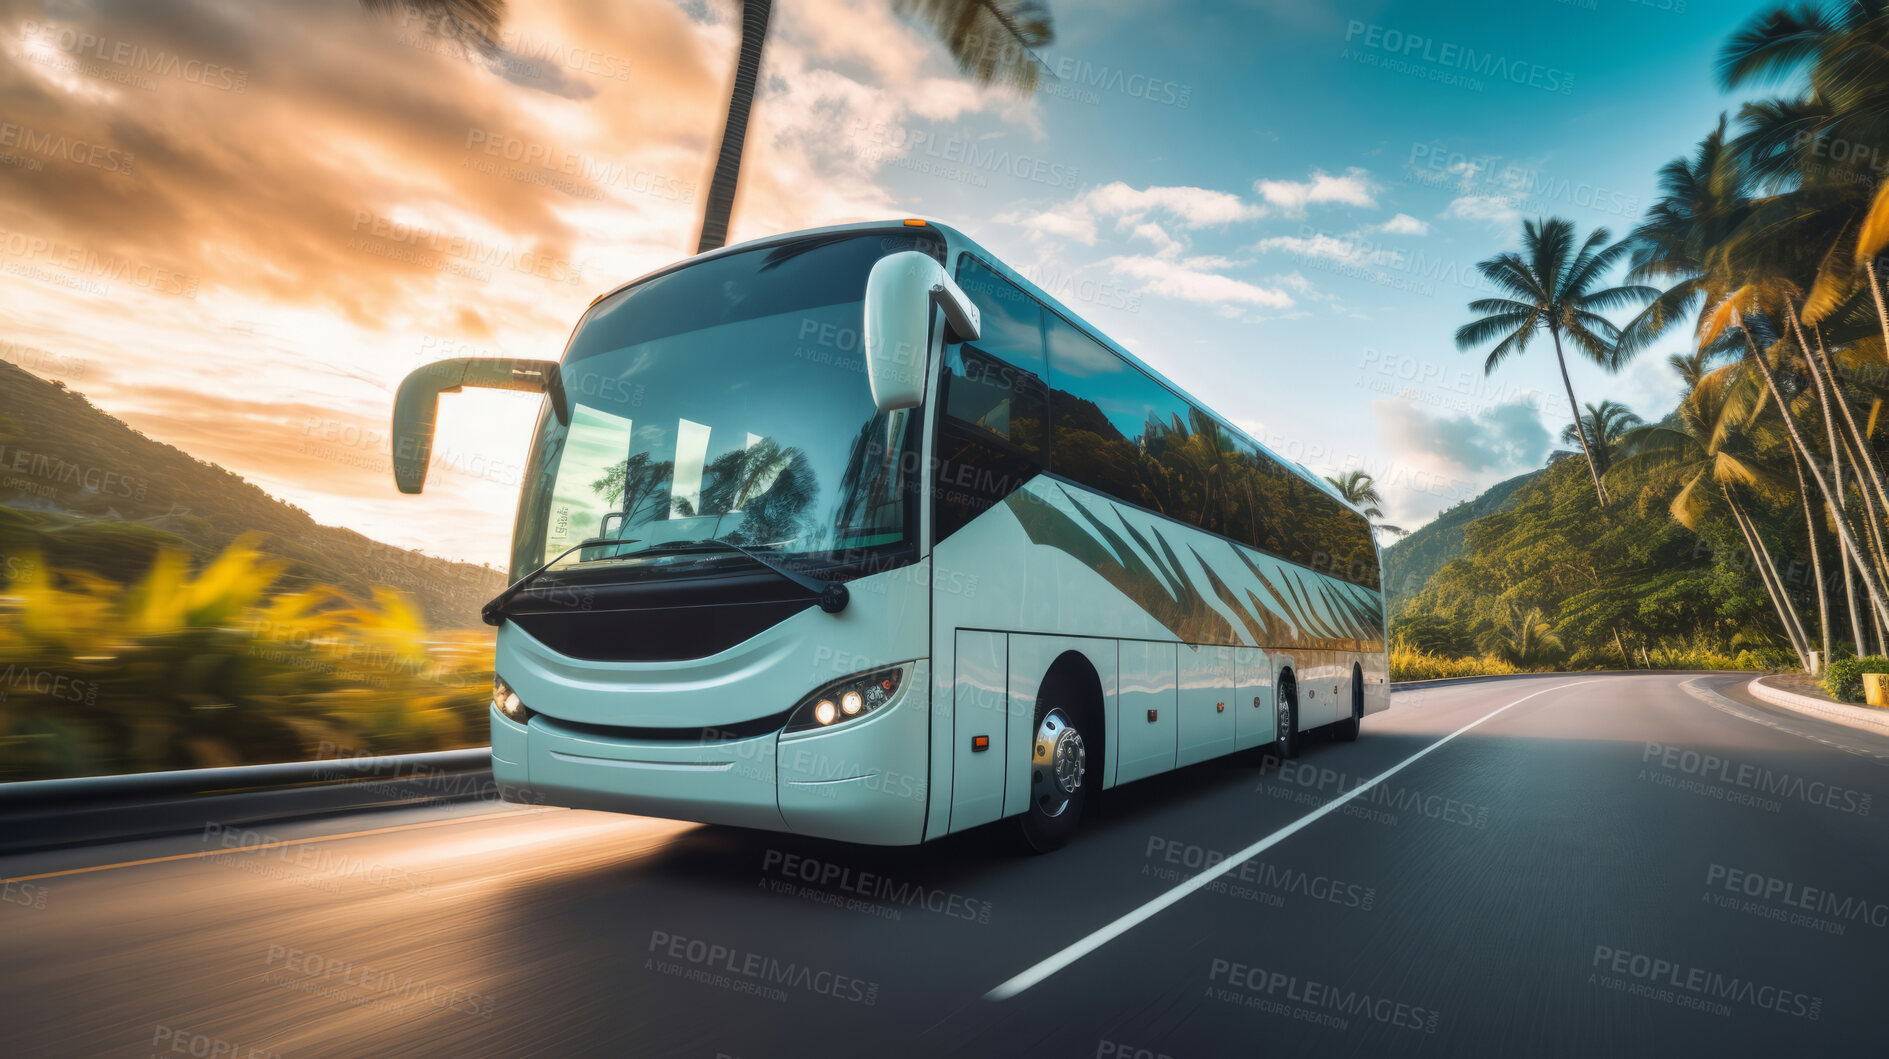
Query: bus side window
993, 433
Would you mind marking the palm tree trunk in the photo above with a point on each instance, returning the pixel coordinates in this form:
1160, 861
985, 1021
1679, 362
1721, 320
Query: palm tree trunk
1783, 590
719, 204
1876, 546
1849, 601
1866, 457
1816, 559
1787, 618
1580, 429
1816, 473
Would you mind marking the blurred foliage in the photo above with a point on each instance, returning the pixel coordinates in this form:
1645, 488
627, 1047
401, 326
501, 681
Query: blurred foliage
1843, 679
84, 491
221, 666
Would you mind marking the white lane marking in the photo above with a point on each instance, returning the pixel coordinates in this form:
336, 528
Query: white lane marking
1745, 713
1076, 951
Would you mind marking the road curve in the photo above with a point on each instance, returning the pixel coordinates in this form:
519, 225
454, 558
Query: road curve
1612, 865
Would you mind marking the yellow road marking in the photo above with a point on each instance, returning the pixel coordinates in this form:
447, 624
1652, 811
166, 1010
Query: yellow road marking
269, 845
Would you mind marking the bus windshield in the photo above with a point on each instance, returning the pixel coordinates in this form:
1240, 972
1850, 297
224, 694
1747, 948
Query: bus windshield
726, 400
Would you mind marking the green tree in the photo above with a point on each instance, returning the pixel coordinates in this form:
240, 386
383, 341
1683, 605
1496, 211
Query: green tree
1553, 285
1603, 425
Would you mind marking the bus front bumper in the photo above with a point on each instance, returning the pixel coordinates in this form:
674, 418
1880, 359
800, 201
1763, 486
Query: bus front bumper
862, 781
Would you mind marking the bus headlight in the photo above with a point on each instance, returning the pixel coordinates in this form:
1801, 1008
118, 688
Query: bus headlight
848, 699
508, 703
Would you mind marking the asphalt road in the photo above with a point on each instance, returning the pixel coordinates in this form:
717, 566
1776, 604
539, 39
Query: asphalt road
1607, 866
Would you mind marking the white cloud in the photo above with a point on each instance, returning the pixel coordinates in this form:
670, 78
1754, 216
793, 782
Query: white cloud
1344, 250
1438, 458
1354, 188
1175, 279
1404, 224
1496, 210
1183, 207
1190, 207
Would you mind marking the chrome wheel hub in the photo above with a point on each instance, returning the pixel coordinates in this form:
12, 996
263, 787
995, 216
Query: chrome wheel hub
1284, 723
1058, 763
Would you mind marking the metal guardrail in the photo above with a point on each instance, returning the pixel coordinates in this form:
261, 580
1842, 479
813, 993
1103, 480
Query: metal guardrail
143, 786
147, 785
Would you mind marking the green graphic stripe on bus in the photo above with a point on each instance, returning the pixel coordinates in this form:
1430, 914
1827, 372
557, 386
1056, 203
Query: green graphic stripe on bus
1167, 598
1311, 612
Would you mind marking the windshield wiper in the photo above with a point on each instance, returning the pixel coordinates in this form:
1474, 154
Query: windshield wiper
493, 613
833, 594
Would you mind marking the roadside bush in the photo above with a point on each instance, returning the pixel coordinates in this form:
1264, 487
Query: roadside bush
220, 666
1843, 678
1410, 663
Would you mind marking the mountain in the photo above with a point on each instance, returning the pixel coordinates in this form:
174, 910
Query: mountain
86, 492
1409, 563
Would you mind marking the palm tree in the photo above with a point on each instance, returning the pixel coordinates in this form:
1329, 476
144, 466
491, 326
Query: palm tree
1521, 636
1729, 255
1551, 287
1604, 425
1732, 312
1706, 445
990, 39
474, 23
1359, 488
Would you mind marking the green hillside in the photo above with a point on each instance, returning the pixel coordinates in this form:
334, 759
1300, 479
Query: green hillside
86, 492
1410, 563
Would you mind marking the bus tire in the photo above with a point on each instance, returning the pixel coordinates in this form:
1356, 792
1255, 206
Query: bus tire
1286, 734
1062, 773
1347, 730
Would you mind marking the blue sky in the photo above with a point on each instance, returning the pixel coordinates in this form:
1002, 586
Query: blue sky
1422, 178
1277, 203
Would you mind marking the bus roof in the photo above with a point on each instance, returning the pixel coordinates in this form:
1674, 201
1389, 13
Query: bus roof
957, 240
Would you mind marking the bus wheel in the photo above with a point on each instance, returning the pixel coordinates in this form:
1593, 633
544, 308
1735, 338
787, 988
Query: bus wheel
1347, 730
1059, 780
1286, 720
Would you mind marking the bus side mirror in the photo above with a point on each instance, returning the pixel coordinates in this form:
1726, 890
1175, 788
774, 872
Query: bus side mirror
416, 405
901, 290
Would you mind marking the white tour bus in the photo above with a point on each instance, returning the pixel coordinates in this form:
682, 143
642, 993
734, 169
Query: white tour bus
857, 533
